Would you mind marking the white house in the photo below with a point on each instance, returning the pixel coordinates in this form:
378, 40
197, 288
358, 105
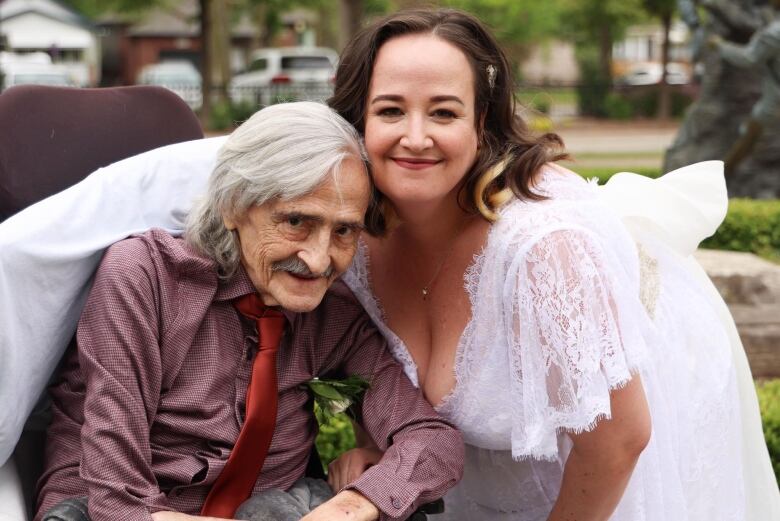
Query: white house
45, 25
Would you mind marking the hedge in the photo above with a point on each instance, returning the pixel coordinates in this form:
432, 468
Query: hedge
769, 402
752, 226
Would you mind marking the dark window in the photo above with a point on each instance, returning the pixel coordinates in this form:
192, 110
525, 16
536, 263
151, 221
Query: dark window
259, 64
306, 62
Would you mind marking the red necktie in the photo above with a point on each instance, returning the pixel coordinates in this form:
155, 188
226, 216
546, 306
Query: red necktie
235, 483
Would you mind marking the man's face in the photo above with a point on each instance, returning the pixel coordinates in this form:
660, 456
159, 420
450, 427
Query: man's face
293, 250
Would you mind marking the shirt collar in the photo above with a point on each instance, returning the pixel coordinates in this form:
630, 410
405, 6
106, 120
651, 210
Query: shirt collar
239, 285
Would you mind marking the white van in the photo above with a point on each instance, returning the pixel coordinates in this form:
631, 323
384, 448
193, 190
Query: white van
286, 73
32, 69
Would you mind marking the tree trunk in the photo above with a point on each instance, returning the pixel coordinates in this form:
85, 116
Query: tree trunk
664, 93
220, 49
351, 14
605, 52
205, 64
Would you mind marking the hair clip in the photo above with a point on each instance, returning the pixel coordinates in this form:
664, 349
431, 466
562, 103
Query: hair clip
491, 72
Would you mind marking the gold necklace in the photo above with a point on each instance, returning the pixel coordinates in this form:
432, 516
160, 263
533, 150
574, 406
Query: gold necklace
428, 287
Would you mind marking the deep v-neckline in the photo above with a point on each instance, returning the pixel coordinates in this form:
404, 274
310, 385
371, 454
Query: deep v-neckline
470, 283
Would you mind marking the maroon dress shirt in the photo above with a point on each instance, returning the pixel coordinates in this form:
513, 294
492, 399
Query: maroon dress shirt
148, 408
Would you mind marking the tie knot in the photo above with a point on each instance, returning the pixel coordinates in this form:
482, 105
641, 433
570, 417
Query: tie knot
270, 322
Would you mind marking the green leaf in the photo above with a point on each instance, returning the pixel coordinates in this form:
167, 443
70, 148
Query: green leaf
325, 389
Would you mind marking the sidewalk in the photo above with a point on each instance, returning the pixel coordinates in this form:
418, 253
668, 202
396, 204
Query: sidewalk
611, 137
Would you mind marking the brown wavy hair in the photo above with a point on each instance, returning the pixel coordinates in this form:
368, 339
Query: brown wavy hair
509, 156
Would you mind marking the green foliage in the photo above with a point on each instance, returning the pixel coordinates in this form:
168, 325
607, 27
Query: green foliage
643, 102
660, 8
618, 107
517, 24
225, 115
336, 436
594, 86
751, 226
334, 397
769, 403
586, 22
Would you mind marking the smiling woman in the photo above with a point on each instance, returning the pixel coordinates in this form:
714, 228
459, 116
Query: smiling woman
590, 377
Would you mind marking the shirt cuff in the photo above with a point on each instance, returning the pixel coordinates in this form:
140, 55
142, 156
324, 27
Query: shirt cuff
392, 495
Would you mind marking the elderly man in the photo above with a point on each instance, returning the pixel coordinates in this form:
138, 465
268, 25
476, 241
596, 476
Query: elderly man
187, 392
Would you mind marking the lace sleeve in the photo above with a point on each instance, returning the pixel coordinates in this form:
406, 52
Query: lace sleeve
574, 323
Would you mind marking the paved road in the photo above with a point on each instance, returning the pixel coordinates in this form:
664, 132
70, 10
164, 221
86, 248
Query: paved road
613, 144
618, 138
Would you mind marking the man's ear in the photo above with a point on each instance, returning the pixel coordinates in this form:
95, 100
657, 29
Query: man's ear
228, 221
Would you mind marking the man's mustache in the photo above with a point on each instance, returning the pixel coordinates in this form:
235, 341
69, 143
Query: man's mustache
297, 267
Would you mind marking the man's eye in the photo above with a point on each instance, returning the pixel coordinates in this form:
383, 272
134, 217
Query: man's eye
295, 222
345, 231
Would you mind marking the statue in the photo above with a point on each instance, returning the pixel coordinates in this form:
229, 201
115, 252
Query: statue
727, 92
762, 52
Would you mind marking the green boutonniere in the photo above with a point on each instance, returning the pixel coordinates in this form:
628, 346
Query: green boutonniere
336, 396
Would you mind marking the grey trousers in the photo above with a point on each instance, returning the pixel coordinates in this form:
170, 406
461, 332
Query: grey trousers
305, 495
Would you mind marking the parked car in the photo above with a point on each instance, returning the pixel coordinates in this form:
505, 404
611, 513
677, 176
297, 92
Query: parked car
285, 73
32, 69
650, 74
180, 77
36, 75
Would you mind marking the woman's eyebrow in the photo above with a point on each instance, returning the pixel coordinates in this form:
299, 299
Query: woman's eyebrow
436, 99
387, 97
443, 97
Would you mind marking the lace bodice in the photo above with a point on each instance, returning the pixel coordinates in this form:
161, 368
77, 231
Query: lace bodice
565, 307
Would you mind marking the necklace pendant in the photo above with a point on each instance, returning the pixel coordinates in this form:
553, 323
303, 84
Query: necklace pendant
424, 293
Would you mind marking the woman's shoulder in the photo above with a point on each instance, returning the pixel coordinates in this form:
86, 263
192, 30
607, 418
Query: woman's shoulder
566, 201
571, 211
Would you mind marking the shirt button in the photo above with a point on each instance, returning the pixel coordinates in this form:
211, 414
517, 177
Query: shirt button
395, 502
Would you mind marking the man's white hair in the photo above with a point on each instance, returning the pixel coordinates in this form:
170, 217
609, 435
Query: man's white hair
283, 151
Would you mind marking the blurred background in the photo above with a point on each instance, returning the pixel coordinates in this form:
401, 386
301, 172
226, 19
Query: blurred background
616, 59
613, 77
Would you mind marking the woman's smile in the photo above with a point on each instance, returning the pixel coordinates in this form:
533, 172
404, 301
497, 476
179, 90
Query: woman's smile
415, 163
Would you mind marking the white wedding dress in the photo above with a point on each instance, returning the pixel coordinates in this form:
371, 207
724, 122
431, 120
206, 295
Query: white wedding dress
530, 364
570, 297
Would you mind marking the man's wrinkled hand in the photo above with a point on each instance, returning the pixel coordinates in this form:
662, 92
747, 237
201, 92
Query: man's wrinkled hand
344, 506
350, 465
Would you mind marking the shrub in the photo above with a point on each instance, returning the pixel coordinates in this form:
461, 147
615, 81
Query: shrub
594, 86
617, 106
225, 115
751, 226
769, 403
642, 101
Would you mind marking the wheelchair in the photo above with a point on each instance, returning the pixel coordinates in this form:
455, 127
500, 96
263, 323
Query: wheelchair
74, 132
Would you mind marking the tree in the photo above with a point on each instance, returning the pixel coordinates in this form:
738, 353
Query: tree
594, 26
663, 10
517, 24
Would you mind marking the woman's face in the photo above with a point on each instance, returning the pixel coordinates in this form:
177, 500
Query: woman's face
420, 128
